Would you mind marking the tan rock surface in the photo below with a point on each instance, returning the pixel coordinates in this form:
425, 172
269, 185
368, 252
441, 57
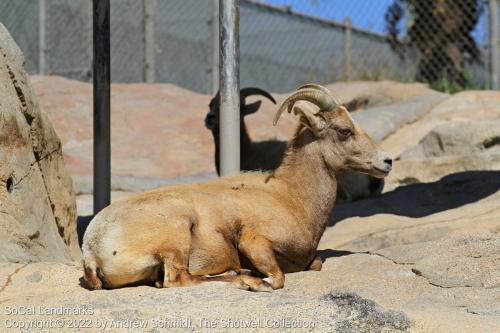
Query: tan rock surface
458, 138
462, 107
461, 133
37, 203
432, 169
383, 92
459, 204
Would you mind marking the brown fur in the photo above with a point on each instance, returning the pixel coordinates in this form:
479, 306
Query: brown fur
251, 221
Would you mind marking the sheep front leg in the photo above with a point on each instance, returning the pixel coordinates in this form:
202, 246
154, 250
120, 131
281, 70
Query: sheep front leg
259, 250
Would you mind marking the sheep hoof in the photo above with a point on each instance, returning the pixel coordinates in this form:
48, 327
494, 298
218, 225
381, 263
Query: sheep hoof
227, 273
245, 271
264, 287
251, 283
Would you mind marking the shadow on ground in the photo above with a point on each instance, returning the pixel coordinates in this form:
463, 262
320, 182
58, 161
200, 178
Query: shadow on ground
423, 199
329, 253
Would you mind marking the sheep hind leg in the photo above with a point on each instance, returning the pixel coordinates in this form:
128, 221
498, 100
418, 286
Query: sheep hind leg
91, 276
176, 272
176, 276
174, 257
315, 265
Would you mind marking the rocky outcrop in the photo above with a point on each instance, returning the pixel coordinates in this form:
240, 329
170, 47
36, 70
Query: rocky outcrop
448, 148
468, 106
381, 121
458, 138
412, 171
462, 133
37, 203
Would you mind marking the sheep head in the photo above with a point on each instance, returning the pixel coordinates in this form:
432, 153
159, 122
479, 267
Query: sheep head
212, 117
342, 143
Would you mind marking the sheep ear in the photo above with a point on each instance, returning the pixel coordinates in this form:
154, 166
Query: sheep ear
251, 108
311, 119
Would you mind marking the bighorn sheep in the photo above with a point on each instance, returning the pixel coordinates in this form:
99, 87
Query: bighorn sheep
269, 222
263, 155
267, 155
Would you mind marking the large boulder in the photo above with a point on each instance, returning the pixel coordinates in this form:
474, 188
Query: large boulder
458, 138
431, 169
462, 133
37, 203
469, 106
449, 148
361, 95
381, 121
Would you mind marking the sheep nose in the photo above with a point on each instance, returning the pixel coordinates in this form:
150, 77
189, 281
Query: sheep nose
388, 161
210, 121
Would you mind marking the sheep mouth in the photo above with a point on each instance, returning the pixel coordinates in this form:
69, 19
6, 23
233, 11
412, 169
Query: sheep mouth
380, 173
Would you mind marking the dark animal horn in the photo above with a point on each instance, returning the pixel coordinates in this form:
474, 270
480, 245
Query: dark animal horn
250, 91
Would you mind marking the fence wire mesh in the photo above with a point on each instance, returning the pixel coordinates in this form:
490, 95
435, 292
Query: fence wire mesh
284, 43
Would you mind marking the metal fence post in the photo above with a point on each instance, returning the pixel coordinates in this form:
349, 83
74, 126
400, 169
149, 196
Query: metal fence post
149, 40
213, 59
42, 36
494, 47
102, 144
347, 45
229, 87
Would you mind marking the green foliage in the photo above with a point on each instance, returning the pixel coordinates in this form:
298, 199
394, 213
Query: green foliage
442, 31
448, 86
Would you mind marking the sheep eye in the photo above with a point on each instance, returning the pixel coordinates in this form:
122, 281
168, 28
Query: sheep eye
344, 132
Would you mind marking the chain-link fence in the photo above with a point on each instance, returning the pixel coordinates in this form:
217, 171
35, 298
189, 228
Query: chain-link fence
451, 44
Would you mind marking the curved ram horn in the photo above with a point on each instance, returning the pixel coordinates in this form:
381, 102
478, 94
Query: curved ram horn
318, 87
318, 97
245, 92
